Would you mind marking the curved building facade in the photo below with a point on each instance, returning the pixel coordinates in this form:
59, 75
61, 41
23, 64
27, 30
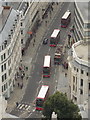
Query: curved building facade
79, 67
10, 49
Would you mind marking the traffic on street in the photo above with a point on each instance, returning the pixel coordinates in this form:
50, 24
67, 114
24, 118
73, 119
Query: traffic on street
27, 106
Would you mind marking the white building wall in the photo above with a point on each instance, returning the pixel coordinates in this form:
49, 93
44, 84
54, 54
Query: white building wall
75, 76
12, 58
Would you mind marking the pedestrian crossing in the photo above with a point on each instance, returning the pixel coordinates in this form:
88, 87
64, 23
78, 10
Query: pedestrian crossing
23, 106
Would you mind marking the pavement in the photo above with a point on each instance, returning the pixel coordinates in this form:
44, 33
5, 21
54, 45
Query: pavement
27, 60
63, 81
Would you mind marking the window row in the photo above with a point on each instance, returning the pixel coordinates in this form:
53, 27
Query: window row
4, 77
3, 67
4, 87
3, 57
82, 71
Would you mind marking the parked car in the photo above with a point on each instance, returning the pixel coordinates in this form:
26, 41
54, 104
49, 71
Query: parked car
45, 41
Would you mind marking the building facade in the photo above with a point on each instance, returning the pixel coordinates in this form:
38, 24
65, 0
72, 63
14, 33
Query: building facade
78, 71
81, 21
10, 49
18, 20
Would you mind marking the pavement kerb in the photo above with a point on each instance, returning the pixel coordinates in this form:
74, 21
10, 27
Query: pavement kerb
16, 93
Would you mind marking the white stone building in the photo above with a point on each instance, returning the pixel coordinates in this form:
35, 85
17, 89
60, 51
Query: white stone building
10, 48
81, 20
79, 67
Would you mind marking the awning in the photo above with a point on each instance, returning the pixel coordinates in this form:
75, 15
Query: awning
29, 32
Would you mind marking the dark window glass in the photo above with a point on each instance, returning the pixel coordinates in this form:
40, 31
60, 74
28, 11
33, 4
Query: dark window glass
81, 71
81, 82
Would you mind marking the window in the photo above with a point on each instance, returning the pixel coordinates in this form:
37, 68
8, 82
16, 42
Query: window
76, 88
2, 68
2, 47
5, 75
76, 80
73, 87
81, 71
81, 82
2, 89
89, 86
5, 66
21, 24
77, 69
21, 31
4, 55
73, 79
21, 41
6, 85
81, 91
2, 78
87, 73
1, 57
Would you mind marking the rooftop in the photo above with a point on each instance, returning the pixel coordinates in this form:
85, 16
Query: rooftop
55, 32
82, 51
7, 20
3, 16
43, 91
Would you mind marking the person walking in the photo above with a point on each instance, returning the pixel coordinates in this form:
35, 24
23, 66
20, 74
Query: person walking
17, 104
18, 84
21, 86
34, 40
65, 74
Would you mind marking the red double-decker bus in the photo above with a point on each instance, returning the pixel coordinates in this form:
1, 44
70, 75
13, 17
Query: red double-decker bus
66, 18
47, 66
55, 38
43, 94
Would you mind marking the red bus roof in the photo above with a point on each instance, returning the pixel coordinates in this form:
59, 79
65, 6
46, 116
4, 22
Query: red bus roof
47, 61
65, 16
43, 91
55, 33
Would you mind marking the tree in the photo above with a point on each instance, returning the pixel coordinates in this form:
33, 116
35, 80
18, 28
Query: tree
63, 107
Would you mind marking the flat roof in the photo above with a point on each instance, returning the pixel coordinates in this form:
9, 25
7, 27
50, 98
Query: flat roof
66, 14
7, 25
82, 51
55, 33
47, 61
43, 91
3, 16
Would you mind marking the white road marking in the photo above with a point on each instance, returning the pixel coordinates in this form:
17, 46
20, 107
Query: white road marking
28, 107
34, 110
18, 105
21, 106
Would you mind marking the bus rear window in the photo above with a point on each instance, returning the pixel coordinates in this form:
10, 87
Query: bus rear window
39, 102
46, 69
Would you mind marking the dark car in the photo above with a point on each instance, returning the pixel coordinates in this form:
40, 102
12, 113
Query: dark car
45, 41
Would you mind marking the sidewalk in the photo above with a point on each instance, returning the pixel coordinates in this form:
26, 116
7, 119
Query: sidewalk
63, 81
27, 60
